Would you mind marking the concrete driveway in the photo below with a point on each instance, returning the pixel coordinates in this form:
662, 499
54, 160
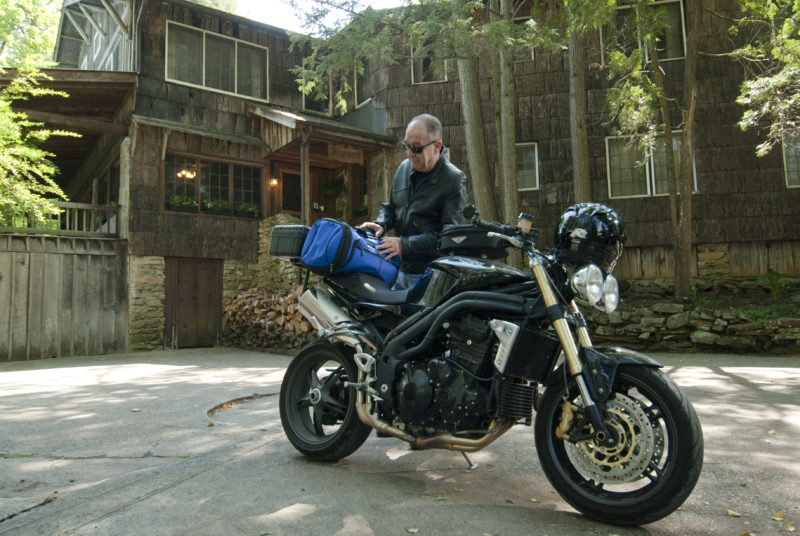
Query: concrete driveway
190, 442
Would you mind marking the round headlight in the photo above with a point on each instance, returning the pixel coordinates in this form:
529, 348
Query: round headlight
587, 282
610, 294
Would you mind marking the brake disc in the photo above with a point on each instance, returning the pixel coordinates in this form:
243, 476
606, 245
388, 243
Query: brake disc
639, 443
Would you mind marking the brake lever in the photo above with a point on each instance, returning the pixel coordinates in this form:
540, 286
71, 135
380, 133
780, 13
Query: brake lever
513, 240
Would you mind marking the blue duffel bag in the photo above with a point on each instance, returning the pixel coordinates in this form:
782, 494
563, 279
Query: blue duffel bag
335, 247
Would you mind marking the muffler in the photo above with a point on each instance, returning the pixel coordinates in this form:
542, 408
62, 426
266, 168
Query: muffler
321, 312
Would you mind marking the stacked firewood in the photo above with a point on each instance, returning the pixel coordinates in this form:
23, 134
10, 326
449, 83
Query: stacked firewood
259, 319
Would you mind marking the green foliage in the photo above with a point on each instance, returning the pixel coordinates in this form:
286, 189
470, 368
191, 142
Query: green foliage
771, 93
760, 313
26, 172
775, 282
28, 32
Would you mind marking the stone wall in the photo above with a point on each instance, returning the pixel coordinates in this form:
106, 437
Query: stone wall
647, 320
274, 274
147, 295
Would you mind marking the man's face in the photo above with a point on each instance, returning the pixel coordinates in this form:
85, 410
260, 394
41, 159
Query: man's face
417, 136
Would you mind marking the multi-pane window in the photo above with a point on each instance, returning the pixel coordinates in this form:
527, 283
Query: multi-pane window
425, 67
522, 16
791, 161
194, 185
217, 62
632, 173
622, 34
527, 166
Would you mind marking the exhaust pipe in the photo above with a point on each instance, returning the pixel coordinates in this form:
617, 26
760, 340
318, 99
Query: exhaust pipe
321, 312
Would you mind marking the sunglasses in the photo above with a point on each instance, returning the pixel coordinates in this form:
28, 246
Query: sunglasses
416, 149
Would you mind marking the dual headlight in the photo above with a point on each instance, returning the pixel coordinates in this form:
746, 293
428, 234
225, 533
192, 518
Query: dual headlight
590, 285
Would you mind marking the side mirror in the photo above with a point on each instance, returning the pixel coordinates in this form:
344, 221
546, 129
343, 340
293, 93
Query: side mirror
469, 212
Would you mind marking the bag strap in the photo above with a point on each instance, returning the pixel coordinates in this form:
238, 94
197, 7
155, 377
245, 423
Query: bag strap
343, 253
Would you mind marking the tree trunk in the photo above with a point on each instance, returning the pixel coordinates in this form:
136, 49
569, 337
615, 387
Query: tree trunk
480, 172
507, 152
577, 121
683, 265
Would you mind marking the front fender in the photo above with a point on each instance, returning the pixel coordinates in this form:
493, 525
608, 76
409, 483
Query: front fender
600, 365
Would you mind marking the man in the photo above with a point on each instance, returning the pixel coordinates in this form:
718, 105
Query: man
427, 193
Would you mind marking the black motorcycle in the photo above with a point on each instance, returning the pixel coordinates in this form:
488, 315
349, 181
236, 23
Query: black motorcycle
477, 346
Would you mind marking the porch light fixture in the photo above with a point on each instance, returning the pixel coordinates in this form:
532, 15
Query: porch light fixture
273, 183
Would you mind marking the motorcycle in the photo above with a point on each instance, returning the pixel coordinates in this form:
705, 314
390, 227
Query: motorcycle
478, 346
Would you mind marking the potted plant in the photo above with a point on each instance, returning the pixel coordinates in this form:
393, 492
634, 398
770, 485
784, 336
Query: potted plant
216, 206
247, 210
182, 203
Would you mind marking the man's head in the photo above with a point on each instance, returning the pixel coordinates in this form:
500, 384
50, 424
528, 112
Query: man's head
423, 142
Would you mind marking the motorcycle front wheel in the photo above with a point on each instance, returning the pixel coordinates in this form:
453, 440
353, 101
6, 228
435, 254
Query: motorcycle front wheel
648, 473
318, 412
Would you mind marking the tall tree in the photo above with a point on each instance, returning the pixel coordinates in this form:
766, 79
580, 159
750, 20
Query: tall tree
642, 108
771, 92
27, 38
28, 32
228, 6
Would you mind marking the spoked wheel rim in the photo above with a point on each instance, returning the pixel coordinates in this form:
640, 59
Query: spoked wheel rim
317, 400
639, 463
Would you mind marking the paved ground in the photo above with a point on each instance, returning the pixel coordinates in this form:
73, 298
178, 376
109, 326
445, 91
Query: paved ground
189, 442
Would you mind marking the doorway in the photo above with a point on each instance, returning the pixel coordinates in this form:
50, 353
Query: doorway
193, 305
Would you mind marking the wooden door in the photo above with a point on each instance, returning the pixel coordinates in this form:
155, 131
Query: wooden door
193, 302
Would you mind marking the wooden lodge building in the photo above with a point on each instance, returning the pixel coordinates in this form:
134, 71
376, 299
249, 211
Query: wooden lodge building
194, 131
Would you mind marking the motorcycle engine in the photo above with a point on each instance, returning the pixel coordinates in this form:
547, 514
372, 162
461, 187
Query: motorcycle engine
451, 392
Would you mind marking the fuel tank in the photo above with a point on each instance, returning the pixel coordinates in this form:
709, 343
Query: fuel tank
450, 275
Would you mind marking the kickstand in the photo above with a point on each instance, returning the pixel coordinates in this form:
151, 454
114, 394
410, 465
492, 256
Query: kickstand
472, 465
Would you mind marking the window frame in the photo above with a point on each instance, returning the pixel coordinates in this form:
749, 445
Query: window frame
646, 56
535, 145
359, 103
794, 148
329, 111
649, 168
203, 58
198, 184
413, 63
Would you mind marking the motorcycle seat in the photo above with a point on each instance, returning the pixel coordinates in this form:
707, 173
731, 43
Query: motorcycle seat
370, 289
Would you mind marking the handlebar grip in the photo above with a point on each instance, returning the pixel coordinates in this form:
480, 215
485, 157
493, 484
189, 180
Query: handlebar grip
495, 227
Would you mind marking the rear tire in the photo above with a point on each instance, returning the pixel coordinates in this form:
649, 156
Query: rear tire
649, 473
317, 411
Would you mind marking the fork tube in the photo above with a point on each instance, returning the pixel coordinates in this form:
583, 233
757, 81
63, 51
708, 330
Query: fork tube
583, 331
560, 324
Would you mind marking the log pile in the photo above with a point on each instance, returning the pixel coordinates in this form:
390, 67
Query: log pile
259, 319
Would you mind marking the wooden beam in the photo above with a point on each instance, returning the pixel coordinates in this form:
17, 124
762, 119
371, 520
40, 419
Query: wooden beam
117, 18
281, 117
78, 123
91, 20
77, 26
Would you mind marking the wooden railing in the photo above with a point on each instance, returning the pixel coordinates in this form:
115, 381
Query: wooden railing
74, 219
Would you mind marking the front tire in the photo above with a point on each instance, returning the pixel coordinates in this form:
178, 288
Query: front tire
318, 412
650, 472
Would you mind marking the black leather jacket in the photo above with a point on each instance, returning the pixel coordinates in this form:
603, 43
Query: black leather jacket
420, 204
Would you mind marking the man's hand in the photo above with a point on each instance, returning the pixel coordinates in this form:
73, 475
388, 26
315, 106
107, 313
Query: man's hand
391, 246
372, 227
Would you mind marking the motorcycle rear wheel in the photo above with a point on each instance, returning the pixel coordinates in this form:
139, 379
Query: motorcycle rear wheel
318, 412
651, 471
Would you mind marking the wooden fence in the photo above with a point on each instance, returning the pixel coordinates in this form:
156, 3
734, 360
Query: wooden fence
73, 219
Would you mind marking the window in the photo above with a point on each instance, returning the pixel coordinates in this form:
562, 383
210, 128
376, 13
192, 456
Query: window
527, 166
791, 161
220, 63
522, 14
215, 187
362, 88
622, 33
633, 174
320, 103
425, 67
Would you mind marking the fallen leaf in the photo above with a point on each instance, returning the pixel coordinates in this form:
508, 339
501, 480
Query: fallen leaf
136, 410
441, 498
458, 490
534, 500
511, 501
745, 534
790, 527
412, 531
777, 516
772, 432
210, 424
731, 513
